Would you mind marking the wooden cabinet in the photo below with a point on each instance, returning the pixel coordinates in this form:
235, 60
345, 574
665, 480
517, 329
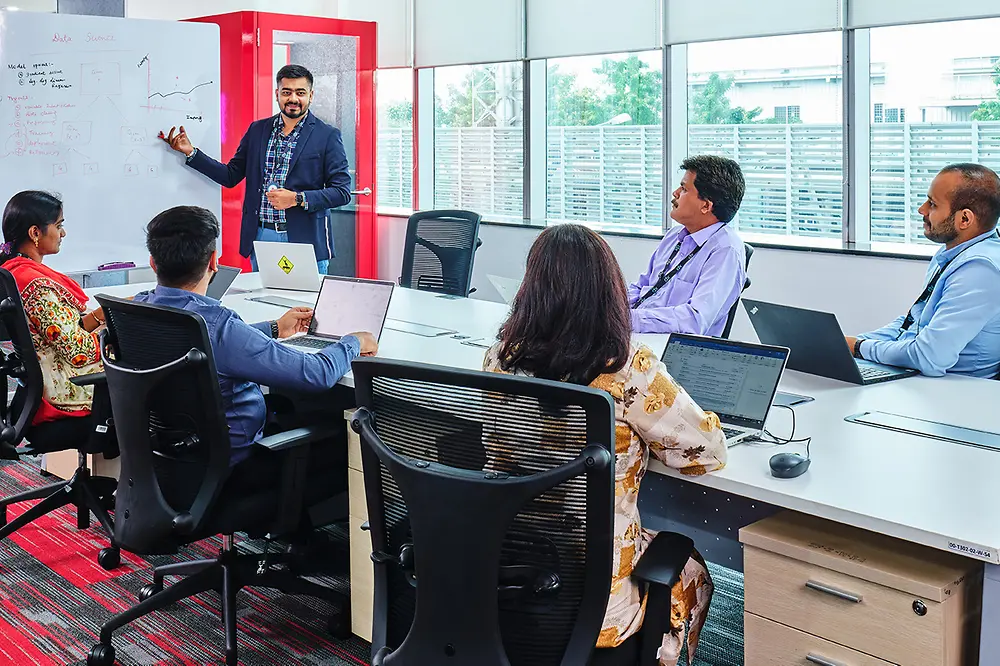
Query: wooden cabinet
819, 588
362, 569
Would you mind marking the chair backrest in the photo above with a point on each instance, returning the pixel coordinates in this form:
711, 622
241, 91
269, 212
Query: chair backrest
746, 283
440, 251
169, 417
490, 500
20, 363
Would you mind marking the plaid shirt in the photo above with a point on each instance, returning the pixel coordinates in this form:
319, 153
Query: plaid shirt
276, 164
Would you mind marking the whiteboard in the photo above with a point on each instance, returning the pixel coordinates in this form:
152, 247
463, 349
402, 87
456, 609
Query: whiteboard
83, 100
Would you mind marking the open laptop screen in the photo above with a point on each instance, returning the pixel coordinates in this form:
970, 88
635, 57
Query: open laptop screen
347, 305
736, 380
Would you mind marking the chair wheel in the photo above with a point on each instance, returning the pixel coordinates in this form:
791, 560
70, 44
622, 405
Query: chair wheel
339, 625
147, 591
101, 655
109, 558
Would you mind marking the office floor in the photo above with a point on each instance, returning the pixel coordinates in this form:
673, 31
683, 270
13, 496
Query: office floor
54, 597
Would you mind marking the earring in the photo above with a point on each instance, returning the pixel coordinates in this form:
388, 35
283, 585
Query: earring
36, 242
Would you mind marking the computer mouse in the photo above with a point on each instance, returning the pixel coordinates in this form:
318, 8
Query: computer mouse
788, 465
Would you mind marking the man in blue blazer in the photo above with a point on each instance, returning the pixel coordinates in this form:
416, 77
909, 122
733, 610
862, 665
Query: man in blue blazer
295, 167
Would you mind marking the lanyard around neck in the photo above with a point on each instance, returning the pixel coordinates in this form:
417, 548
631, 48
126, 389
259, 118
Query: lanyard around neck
932, 283
666, 276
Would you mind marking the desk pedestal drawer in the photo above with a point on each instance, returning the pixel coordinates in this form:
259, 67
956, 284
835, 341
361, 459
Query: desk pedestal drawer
846, 610
771, 644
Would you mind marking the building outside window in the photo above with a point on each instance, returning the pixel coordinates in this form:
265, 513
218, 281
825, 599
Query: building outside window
775, 105
946, 75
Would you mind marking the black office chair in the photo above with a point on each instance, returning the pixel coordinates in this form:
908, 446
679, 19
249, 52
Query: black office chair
736, 304
91, 434
175, 455
440, 251
490, 502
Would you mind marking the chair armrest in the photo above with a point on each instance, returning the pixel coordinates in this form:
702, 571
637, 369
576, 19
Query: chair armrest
91, 379
290, 439
664, 559
293, 448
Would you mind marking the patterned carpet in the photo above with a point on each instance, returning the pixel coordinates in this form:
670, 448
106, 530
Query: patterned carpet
54, 597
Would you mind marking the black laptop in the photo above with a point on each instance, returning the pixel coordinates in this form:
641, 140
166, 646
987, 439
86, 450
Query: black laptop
221, 281
817, 344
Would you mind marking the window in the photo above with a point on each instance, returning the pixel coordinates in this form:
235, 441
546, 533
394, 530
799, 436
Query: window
604, 135
879, 113
394, 99
954, 91
786, 114
792, 158
479, 139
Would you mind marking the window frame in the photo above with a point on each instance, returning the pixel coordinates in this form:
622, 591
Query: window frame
858, 116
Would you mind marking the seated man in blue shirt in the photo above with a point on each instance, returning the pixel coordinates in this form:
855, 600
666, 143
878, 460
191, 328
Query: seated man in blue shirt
954, 325
182, 248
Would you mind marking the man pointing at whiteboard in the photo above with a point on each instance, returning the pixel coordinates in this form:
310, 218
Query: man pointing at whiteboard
295, 167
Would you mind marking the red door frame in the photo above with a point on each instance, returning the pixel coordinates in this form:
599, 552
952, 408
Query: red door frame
247, 89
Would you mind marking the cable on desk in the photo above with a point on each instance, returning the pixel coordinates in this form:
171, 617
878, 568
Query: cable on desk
771, 438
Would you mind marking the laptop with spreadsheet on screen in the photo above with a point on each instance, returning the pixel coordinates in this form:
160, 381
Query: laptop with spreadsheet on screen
344, 305
736, 380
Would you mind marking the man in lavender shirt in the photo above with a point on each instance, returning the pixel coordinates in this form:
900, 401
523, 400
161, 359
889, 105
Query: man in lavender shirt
697, 272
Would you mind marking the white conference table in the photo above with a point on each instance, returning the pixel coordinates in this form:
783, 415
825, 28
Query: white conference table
927, 491
468, 317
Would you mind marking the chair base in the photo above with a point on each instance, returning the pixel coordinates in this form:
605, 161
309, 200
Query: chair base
89, 494
228, 574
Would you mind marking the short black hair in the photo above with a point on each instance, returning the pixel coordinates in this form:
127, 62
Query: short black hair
293, 72
719, 180
979, 192
181, 241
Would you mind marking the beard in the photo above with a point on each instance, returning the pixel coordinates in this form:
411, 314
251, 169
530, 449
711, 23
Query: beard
943, 233
295, 111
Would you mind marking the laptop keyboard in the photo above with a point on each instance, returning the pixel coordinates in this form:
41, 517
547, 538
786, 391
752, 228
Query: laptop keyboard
732, 432
312, 343
871, 372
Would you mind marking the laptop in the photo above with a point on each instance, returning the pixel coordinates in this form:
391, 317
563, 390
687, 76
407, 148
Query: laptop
287, 265
344, 305
736, 380
817, 344
221, 281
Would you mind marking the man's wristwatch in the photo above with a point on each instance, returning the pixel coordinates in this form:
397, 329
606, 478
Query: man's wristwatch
274, 329
857, 348
300, 199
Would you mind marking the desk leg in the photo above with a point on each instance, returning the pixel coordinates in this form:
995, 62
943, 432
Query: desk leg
989, 639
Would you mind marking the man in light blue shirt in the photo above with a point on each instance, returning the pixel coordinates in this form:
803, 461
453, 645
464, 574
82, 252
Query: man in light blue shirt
954, 325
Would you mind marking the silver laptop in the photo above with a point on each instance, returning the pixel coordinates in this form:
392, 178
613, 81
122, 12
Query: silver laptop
736, 380
287, 265
221, 281
345, 305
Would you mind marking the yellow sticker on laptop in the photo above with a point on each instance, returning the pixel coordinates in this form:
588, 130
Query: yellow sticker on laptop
285, 265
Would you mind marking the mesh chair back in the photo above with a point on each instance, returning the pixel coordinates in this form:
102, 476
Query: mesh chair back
477, 440
170, 422
20, 363
440, 251
746, 284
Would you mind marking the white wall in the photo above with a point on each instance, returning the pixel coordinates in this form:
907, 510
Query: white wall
182, 9
864, 292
